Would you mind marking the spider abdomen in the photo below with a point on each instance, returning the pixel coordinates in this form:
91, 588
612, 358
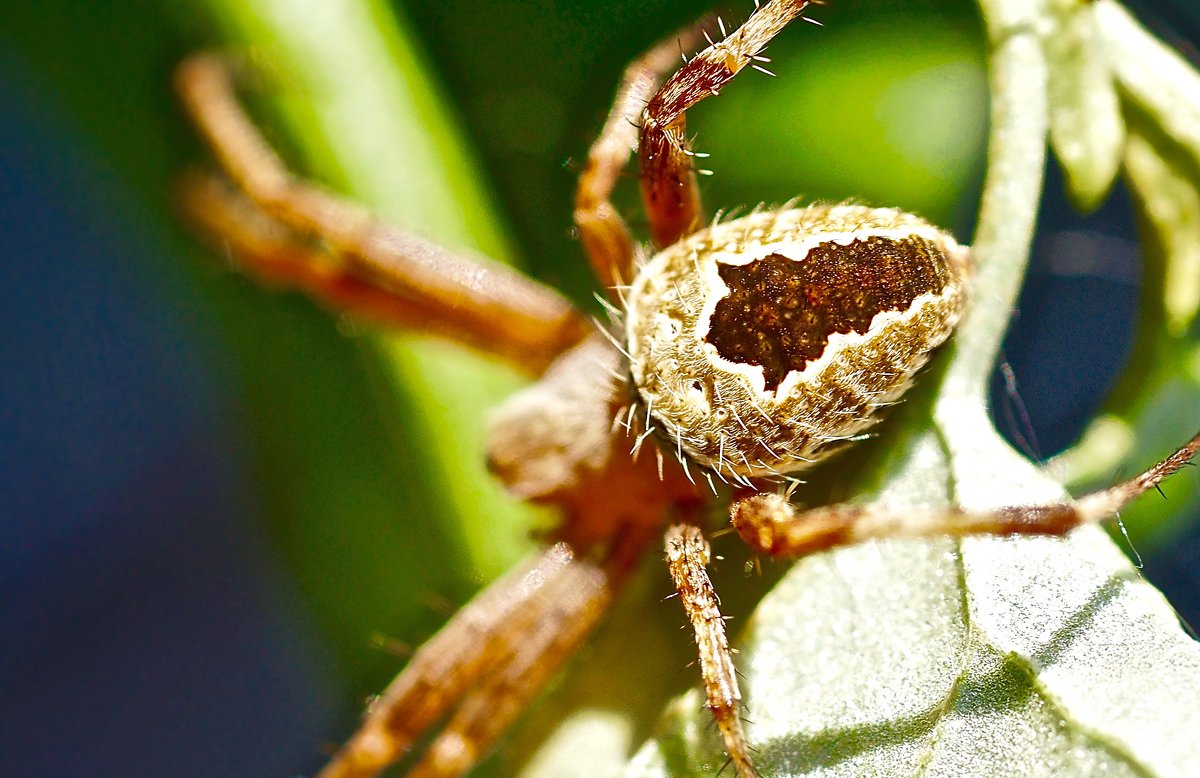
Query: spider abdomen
760, 344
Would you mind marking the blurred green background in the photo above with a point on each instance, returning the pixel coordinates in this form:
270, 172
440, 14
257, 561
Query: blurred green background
221, 507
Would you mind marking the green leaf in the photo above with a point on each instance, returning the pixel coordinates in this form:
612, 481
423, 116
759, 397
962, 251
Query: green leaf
1170, 204
1049, 657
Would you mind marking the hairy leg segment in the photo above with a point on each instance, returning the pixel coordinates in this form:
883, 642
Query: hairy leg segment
773, 526
688, 554
495, 307
669, 190
486, 664
602, 231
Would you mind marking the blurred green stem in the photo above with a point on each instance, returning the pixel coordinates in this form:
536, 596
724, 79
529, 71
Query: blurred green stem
355, 93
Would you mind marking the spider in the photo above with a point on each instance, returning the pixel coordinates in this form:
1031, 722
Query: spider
741, 353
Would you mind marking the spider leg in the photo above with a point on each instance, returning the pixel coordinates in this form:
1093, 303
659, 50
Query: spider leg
276, 256
473, 294
687, 555
603, 232
487, 663
442, 670
567, 612
770, 524
669, 189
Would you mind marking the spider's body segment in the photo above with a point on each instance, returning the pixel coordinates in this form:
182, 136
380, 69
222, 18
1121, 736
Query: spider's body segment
752, 348
759, 345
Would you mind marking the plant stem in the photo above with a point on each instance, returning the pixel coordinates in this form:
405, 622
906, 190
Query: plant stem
1012, 189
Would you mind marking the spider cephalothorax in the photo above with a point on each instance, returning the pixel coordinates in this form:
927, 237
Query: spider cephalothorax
761, 344
752, 348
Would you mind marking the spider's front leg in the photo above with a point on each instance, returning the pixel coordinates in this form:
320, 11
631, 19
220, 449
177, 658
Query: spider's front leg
446, 666
564, 614
669, 190
277, 257
485, 666
688, 554
369, 267
773, 526
603, 232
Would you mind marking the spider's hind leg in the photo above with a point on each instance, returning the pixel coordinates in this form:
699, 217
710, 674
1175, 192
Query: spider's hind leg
773, 526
